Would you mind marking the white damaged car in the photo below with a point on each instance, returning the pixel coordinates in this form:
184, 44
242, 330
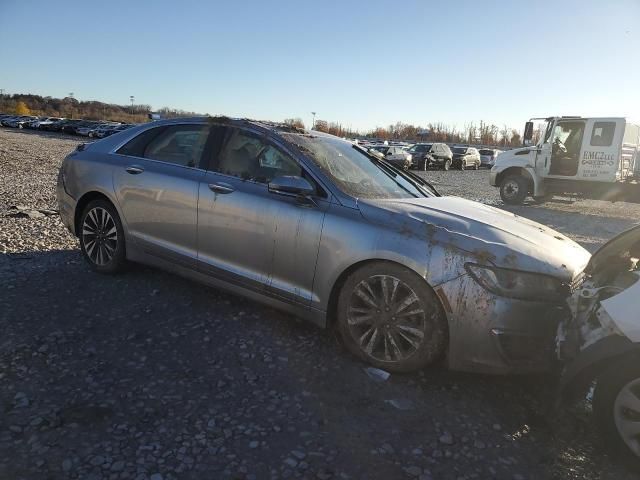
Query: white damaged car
600, 343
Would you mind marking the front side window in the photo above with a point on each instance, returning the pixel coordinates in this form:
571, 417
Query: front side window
602, 135
567, 137
247, 156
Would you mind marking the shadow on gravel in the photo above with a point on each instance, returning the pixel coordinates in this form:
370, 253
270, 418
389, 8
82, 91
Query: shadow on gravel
150, 362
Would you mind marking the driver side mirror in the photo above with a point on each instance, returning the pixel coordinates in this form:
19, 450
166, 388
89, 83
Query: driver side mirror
290, 184
528, 133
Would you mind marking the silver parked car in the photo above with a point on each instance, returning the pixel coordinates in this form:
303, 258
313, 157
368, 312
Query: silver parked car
395, 155
321, 228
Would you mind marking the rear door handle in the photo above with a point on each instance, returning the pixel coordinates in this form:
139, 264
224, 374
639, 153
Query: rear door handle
220, 187
134, 169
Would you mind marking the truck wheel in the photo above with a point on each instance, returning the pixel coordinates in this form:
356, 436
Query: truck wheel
616, 406
513, 189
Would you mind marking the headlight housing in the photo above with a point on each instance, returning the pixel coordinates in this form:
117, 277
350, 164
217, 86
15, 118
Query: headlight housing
518, 284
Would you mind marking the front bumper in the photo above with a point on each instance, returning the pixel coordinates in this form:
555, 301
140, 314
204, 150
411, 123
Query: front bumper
497, 335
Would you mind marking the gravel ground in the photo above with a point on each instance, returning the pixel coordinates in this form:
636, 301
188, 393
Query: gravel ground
149, 376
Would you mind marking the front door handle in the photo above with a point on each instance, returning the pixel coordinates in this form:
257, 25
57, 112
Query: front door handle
220, 187
134, 169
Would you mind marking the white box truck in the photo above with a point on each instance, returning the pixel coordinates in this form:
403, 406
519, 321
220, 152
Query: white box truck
597, 158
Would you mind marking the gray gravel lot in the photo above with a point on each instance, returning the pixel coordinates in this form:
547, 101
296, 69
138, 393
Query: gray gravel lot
149, 376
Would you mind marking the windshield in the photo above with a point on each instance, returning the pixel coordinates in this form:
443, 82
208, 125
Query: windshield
353, 171
420, 148
459, 150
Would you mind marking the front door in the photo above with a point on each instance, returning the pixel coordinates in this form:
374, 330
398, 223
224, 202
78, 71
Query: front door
157, 189
566, 145
253, 237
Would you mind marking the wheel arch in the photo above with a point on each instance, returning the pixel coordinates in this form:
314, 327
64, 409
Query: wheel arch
87, 198
332, 304
519, 171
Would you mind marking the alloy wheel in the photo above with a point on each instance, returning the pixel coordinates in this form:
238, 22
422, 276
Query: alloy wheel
99, 236
626, 415
386, 318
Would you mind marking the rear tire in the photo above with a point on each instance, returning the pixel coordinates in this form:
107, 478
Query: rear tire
390, 317
477, 166
514, 189
463, 164
102, 237
616, 407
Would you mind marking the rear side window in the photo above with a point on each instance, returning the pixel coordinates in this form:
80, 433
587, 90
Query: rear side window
602, 135
135, 147
180, 144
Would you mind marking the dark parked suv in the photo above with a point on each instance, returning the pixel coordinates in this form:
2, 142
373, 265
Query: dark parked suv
425, 155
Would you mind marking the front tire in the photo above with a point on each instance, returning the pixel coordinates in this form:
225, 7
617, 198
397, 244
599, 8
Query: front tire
447, 165
389, 317
513, 189
102, 237
616, 406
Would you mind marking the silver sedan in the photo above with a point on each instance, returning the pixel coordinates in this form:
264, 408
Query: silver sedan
319, 227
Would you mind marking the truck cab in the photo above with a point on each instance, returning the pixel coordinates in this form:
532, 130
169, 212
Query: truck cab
589, 157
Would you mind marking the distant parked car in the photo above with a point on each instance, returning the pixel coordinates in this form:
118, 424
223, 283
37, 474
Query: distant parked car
46, 121
19, 121
395, 155
88, 129
71, 126
110, 131
464, 157
488, 156
425, 155
99, 131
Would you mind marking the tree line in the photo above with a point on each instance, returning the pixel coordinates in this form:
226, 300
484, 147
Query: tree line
473, 133
70, 107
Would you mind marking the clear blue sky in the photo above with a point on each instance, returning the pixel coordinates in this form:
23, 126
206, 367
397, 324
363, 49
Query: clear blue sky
365, 64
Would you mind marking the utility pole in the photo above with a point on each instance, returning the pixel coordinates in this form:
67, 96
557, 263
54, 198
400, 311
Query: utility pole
71, 107
313, 123
132, 98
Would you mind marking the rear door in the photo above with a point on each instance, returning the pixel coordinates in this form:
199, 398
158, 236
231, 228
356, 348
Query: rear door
247, 235
156, 186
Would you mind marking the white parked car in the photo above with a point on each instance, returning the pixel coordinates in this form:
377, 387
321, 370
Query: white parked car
488, 156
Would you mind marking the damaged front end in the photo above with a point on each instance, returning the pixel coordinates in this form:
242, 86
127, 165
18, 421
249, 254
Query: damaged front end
603, 325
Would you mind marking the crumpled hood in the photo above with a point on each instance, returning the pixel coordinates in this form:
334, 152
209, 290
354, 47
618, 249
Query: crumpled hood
492, 235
